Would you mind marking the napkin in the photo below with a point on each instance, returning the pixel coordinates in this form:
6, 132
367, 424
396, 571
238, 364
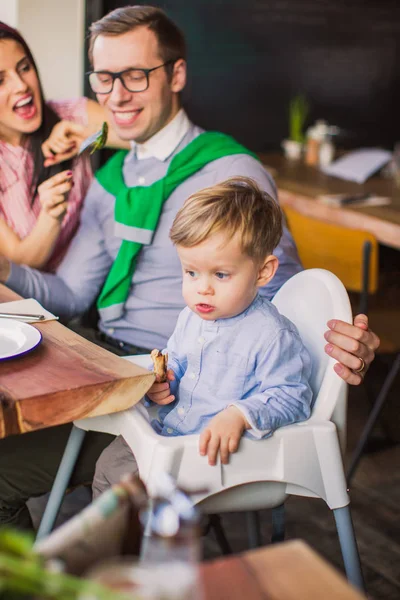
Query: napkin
29, 306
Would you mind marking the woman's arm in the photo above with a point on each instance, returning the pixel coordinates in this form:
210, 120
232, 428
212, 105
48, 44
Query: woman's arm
35, 249
67, 136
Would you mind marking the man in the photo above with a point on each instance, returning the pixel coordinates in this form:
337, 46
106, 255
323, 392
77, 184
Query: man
138, 56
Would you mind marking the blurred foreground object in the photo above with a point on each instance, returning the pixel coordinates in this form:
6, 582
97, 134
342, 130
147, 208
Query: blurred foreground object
171, 543
24, 574
168, 564
108, 527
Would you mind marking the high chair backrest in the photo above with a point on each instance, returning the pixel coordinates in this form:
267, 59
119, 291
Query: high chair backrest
336, 248
309, 300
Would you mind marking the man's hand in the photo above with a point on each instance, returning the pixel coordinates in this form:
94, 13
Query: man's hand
5, 269
63, 142
223, 435
348, 344
160, 393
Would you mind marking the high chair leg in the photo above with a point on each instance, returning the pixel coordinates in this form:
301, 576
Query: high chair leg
348, 545
67, 464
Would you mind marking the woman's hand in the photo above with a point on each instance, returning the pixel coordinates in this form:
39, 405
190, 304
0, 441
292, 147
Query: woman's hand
353, 346
53, 194
63, 142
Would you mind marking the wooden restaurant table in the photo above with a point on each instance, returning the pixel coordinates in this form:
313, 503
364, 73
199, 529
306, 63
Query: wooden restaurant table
299, 186
288, 571
63, 379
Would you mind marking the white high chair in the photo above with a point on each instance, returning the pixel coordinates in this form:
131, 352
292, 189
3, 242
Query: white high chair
303, 459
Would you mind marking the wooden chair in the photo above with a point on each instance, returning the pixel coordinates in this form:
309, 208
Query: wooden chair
353, 256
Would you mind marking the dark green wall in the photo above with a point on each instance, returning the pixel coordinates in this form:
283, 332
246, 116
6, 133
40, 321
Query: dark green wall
247, 59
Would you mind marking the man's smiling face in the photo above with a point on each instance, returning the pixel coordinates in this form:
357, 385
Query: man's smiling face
138, 115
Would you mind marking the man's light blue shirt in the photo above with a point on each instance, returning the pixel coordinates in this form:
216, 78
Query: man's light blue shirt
155, 298
255, 361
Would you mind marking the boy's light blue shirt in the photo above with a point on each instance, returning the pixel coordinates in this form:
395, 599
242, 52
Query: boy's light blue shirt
255, 361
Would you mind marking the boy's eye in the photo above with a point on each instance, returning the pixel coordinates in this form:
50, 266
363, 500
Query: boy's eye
191, 273
220, 275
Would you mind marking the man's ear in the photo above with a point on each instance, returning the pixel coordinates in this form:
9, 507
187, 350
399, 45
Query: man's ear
267, 270
178, 80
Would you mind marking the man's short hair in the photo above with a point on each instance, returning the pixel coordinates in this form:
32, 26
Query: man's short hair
236, 205
171, 41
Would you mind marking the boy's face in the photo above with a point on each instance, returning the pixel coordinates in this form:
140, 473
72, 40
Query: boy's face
138, 115
219, 280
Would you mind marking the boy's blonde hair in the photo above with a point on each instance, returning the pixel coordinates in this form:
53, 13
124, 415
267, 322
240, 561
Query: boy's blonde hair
236, 205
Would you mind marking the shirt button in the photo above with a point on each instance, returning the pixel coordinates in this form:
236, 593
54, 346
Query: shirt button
201, 340
181, 411
192, 375
169, 430
141, 180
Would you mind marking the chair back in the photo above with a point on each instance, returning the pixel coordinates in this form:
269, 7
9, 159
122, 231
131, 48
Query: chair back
309, 300
335, 248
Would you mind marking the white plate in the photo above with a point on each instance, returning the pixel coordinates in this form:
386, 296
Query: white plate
16, 338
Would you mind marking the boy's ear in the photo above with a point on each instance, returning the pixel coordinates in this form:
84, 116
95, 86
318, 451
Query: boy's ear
267, 270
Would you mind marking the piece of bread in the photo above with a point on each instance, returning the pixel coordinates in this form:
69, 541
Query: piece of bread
160, 362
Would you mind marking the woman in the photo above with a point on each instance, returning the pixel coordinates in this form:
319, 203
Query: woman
40, 201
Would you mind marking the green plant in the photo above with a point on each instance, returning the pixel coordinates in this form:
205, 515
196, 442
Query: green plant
23, 574
298, 112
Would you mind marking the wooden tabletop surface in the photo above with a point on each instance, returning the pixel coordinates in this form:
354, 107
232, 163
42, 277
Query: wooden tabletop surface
299, 186
288, 571
63, 379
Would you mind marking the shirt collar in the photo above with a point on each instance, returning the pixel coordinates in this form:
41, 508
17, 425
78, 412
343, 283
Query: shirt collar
165, 141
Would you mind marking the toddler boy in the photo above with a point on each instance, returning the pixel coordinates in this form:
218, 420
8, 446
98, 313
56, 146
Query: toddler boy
235, 365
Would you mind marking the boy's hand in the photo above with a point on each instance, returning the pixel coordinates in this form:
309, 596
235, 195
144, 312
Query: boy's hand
223, 435
160, 392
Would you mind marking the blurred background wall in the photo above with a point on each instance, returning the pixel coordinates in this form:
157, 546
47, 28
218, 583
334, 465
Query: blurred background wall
248, 58
55, 32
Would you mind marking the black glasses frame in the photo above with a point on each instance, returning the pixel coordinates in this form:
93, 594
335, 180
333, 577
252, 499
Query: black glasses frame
119, 75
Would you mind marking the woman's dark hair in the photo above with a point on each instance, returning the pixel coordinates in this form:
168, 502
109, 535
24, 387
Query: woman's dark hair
49, 119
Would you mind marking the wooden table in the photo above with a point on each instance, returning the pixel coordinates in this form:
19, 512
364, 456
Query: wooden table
288, 571
63, 379
299, 186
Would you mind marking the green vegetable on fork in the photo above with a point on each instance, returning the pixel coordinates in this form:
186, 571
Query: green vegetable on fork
96, 141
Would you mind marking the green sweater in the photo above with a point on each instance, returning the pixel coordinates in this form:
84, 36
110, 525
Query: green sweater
138, 209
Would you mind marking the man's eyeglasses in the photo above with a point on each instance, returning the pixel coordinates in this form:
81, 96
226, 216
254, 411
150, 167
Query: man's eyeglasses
133, 80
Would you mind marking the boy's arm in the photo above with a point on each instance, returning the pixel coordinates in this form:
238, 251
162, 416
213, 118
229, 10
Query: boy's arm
284, 394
